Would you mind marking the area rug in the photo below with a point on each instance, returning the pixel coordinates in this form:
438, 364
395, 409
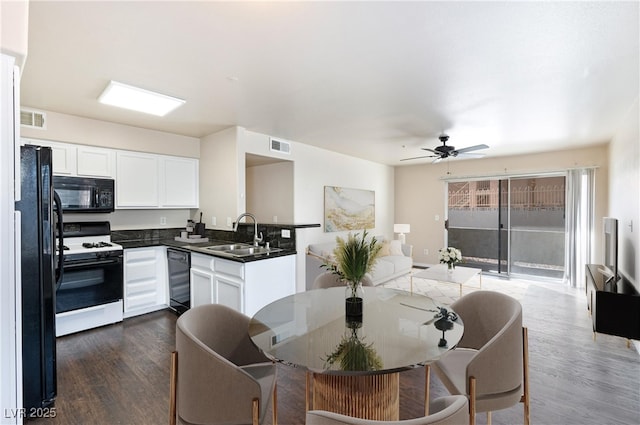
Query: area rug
446, 293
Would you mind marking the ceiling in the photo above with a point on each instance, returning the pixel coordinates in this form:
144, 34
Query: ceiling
376, 80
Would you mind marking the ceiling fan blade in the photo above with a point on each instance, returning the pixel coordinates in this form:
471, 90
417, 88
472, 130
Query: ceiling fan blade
417, 157
472, 148
431, 150
438, 159
471, 155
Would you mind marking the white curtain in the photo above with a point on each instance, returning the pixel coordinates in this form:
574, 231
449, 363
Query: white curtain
579, 219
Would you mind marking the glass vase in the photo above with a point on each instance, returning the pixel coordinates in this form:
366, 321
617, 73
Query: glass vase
450, 268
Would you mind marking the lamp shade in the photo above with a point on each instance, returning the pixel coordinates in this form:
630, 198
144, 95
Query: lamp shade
401, 228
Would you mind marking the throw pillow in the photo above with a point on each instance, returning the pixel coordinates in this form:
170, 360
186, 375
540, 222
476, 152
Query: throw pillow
385, 250
395, 248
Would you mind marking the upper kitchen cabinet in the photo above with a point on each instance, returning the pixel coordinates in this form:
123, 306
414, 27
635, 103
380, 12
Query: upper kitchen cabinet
96, 162
64, 155
137, 183
79, 160
155, 181
179, 181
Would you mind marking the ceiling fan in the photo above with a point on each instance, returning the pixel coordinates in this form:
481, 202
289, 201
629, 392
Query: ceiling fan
446, 151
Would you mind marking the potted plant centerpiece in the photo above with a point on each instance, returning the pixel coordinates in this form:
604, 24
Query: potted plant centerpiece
354, 258
353, 354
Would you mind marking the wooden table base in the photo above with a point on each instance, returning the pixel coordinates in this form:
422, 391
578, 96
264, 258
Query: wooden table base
374, 397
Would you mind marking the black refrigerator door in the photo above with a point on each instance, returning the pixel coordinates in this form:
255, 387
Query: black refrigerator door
38, 280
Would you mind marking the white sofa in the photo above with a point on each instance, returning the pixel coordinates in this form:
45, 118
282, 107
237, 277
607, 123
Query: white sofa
395, 260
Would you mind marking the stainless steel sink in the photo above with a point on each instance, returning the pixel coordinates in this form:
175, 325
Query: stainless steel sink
227, 247
239, 250
253, 250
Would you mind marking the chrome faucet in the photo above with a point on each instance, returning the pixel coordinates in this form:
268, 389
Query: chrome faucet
256, 238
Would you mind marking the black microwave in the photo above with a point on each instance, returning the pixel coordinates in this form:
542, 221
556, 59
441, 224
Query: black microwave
85, 194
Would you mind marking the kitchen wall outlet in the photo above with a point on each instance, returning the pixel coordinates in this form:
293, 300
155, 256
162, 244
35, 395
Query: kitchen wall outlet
426, 252
229, 222
163, 220
286, 233
437, 217
213, 220
275, 218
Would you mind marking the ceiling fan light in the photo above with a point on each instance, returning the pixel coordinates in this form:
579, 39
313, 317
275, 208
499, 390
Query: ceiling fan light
137, 99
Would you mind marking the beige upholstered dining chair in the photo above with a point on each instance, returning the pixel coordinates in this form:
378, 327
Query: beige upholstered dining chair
217, 374
449, 410
330, 280
490, 363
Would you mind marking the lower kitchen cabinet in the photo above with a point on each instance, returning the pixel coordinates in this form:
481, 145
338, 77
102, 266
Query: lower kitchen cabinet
267, 281
145, 280
202, 286
245, 287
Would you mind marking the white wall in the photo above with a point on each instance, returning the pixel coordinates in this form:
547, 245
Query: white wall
624, 191
315, 168
86, 131
270, 192
10, 282
420, 190
219, 184
14, 30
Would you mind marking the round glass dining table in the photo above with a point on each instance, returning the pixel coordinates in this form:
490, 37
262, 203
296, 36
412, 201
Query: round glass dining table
354, 362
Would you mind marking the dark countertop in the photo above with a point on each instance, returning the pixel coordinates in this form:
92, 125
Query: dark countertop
197, 248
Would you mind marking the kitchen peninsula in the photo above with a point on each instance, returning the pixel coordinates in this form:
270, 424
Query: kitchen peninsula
244, 282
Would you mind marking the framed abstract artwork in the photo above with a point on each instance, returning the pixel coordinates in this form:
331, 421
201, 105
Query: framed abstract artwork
348, 209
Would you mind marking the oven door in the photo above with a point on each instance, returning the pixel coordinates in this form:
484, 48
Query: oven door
89, 283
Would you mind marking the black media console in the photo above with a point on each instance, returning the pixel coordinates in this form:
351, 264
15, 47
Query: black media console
614, 306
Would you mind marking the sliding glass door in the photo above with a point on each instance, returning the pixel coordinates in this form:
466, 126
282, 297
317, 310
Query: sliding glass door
509, 226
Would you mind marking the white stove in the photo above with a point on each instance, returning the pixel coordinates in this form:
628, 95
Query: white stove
90, 292
88, 244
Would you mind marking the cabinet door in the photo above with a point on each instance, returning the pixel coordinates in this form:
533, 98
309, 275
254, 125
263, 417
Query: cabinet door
179, 178
137, 180
64, 156
229, 293
144, 280
202, 287
95, 162
268, 280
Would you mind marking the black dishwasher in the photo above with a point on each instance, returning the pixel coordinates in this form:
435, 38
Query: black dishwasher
179, 263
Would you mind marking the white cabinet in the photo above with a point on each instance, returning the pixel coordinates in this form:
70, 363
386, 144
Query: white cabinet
229, 287
179, 182
145, 280
155, 181
95, 162
203, 281
79, 160
143, 180
64, 155
245, 287
267, 281
137, 180
216, 281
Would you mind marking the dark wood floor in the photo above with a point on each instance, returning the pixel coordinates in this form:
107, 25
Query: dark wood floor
119, 374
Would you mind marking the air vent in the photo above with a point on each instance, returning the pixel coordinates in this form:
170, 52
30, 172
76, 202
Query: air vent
33, 119
280, 146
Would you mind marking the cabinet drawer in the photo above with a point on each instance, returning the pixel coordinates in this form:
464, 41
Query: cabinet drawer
144, 287
202, 261
139, 301
141, 270
140, 254
230, 268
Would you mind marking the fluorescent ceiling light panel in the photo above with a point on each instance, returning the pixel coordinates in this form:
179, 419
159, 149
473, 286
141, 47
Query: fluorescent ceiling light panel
137, 99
